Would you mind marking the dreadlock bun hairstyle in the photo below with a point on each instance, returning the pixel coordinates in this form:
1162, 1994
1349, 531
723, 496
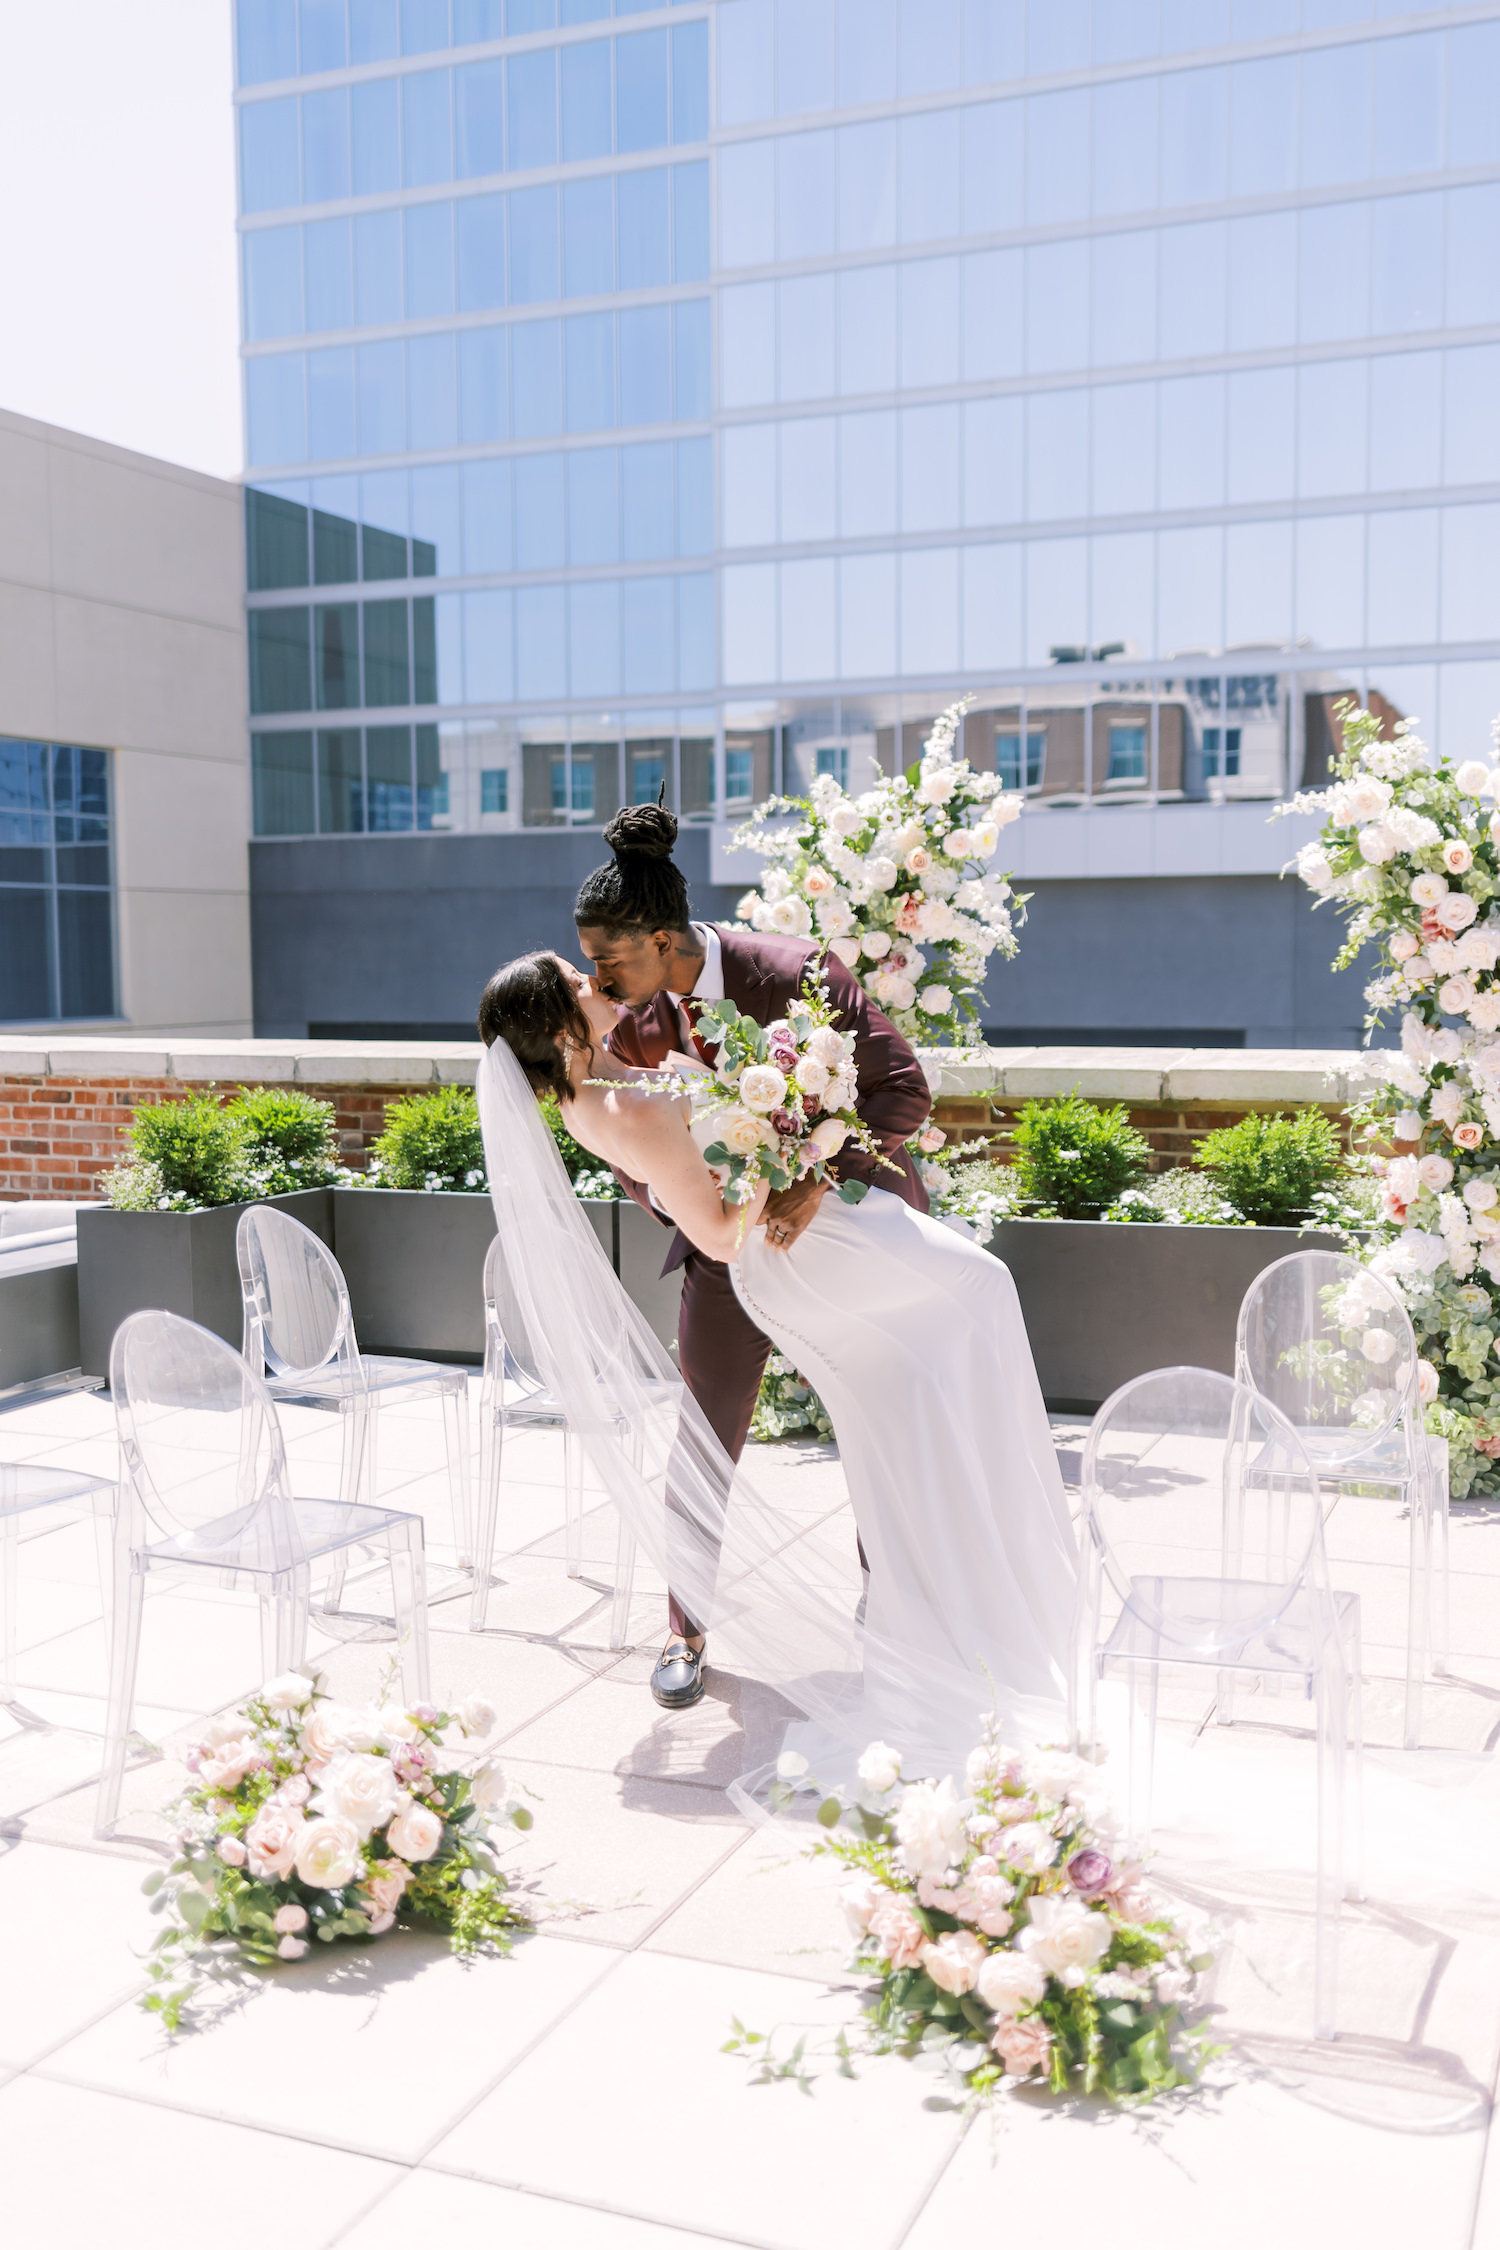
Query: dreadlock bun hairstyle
642, 889
527, 1003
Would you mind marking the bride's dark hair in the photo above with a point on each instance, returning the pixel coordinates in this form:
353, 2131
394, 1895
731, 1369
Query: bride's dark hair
642, 889
527, 1003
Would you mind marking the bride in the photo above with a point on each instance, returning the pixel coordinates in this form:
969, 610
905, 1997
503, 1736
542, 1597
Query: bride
911, 1334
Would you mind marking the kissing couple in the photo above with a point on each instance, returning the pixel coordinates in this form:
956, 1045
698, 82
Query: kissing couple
909, 1331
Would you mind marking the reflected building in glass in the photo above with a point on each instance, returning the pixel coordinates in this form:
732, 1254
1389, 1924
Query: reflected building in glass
698, 398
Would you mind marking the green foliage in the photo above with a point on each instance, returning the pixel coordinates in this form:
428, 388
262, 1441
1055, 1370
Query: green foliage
593, 1182
1077, 1157
1176, 1199
193, 1147
787, 1406
1271, 1168
289, 1138
432, 1142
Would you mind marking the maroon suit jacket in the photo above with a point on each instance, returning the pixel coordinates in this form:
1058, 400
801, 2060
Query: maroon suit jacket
762, 976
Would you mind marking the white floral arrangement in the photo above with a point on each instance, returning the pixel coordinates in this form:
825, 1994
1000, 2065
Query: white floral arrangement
308, 1820
1007, 1935
787, 1405
1410, 854
965, 1190
897, 882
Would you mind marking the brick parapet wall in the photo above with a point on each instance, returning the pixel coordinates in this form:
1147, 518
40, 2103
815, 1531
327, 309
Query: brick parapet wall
1174, 1133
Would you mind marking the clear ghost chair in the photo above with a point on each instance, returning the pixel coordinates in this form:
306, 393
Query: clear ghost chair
204, 1487
1331, 1344
298, 1323
25, 1489
1190, 1469
515, 1397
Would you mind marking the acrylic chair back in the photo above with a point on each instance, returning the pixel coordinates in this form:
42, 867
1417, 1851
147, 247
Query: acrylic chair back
297, 1313
1201, 1510
200, 1441
509, 1353
1330, 1344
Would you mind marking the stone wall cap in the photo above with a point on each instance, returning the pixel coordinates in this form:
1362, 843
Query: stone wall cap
1260, 1074
1101, 1073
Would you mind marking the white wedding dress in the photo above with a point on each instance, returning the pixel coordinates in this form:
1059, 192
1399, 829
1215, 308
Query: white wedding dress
913, 1337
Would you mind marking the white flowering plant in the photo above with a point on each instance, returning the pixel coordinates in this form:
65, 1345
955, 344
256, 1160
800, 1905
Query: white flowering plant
306, 1820
787, 1405
974, 1190
1410, 855
1005, 1932
897, 882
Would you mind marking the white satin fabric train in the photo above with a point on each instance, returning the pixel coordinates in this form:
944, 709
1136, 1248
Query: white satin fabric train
913, 1338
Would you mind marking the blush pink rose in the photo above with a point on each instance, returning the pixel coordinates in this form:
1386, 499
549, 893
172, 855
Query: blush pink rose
227, 1763
954, 1961
231, 1851
898, 1934
1469, 1135
272, 1839
386, 1885
415, 1833
1024, 2045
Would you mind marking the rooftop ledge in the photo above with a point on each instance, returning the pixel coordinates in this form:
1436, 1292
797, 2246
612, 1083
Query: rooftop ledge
1137, 1074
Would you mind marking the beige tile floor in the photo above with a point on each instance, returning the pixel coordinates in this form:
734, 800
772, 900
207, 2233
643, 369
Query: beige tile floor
576, 2097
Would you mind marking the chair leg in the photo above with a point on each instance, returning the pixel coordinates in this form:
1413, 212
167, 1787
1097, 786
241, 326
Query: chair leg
619, 1616
1418, 1596
1437, 1559
409, 1598
291, 1620
124, 1655
10, 1548
1354, 1761
491, 1456
1144, 1683
573, 1500
1332, 1692
456, 1432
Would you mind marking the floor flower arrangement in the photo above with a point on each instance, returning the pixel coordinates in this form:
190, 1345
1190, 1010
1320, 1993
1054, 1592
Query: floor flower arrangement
1009, 1941
306, 1821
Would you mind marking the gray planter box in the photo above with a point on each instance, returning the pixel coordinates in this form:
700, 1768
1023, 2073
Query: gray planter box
39, 1320
1104, 1303
170, 1261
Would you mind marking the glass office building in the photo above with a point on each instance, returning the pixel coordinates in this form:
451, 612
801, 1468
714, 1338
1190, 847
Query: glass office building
703, 396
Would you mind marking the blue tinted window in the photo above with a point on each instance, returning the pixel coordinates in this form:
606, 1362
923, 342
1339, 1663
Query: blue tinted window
267, 41
648, 507
695, 496
535, 373
650, 665
645, 365
335, 530
375, 138
533, 246
531, 109
382, 403
374, 31
641, 90
377, 268
694, 366
330, 404
588, 219
276, 408
541, 642
330, 295
494, 789
582, 11
690, 252
325, 146
323, 45
645, 256
529, 15
280, 661
594, 505
474, 20
388, 777
424, 26
426, 132
341, 787
540, 540
336, 656
482, 416
275, 539
591, 371
435, 522
282, 784
269, 170
690, 82
429, 260
479, 119
481, 252
696, 660
431, 393
586, 119
273, 283
487, 543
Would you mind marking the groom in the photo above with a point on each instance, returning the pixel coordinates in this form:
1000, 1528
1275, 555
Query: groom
659, 965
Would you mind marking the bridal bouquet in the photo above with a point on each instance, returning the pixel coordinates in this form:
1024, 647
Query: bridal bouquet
896, 882
1004, 1930
780, 1103
1410, 855
308, 1820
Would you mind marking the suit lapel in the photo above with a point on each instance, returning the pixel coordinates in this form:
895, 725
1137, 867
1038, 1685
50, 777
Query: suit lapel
744, 979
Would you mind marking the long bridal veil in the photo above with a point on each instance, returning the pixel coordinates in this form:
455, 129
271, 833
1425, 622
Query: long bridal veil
775, 1584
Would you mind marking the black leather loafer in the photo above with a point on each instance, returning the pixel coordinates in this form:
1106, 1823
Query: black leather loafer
678, 1678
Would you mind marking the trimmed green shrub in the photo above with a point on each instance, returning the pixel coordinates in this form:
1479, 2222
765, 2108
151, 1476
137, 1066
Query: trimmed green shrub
1075, 1157
185, 1156
289, 1139
1273, 1168
431, 1142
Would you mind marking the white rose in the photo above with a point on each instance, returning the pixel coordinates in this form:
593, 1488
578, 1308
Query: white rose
1407, 1125
930, 1827
415, 1833
860, 1901
1447, 1104
880, 1767
1427, 1381
476, 1715
1472, 778
1065, 1937
812, 1077
876, 944
846, 820
1455, 996
397, 1723
328, 1855
847, 951
1481, 1195
1367, 798
828, 1138
817, 882
1378, 1345
893, 990
335, 1726
1456, 911
745, 909
1009, 1982
827, 1045
959, 844
1426, 890
1446, 1045
955, 1960
1053, 1774
881, 873
359, 1789
1432, 1171
287, 1692
936, 999
1315, 870
229, 1727
762, 1087
835, 919
1403, 945
488, 1787
1029, 1848
790, 917
1377, 844
741, 1133
1457, 857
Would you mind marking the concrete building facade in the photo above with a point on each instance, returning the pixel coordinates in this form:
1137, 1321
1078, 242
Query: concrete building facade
124, 748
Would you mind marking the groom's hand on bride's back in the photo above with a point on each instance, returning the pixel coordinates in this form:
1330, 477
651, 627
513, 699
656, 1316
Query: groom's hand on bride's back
790, 1213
